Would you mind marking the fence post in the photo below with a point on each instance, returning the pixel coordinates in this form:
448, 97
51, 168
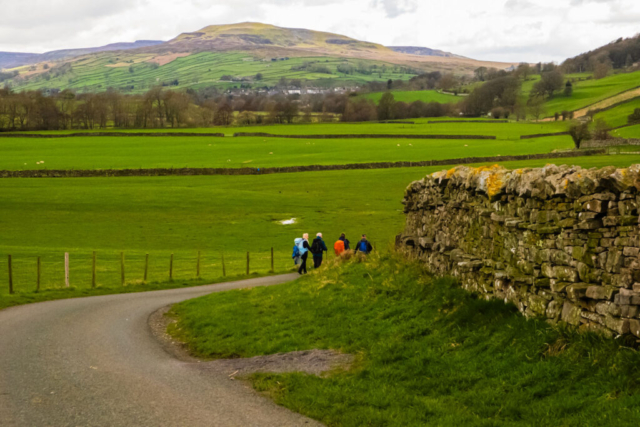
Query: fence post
66, 269
224, 270
122, 280
93, 270
272, 269
146, 267
38, 275
247, 263
198, 266
171, 268
10, 275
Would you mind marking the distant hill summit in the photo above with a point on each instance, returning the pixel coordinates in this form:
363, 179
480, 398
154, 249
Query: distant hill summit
423, 51
16, 59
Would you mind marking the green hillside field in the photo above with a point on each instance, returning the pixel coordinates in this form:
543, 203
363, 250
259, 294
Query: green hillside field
410, 96
133, 74
618, 116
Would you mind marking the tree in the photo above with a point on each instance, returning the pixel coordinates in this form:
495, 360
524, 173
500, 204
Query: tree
224, 115
386, 107
634, 118
523, 70
568, 89
447, 82
550, 82
259, 76
601, 70
629, 61
389, 84
480, 73
601, 131
579, 133
536, 107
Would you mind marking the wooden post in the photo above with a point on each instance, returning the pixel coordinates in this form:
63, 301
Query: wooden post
38, 269
93, 270
224, 270
66, 269
198, 266
272, 269
122, 280
247, 263
171, 268
10, 275
146, 267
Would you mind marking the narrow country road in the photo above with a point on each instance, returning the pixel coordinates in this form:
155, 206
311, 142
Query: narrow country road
94, 362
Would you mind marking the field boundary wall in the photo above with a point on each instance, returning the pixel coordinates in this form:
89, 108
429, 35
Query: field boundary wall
562, 243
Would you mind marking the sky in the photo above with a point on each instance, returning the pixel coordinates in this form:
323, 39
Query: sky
499, 30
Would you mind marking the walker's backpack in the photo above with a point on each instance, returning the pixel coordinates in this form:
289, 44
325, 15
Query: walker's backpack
300, 245
296, 251
316, 247
364, 247
338, 247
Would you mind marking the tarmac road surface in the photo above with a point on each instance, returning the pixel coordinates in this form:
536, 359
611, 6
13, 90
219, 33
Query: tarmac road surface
95, 362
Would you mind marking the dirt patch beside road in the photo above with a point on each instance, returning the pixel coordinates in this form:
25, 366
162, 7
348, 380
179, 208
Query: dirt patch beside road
314, 362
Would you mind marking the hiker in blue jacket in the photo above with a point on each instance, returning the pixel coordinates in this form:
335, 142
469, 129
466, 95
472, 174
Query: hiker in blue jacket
364, 246
318, 247
303, 249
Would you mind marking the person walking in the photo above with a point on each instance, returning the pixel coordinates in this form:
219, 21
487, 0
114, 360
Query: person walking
364, 246
296, 250
317, 248
303, 248
341, 245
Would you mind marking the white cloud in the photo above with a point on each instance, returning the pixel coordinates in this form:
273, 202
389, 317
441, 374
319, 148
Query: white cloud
508, 30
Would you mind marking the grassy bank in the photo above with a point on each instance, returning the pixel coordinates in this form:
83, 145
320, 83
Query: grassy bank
428, 353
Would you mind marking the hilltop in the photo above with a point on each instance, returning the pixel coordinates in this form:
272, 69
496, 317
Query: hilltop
231, 55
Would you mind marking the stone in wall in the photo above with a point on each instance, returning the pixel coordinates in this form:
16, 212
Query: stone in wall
559, 242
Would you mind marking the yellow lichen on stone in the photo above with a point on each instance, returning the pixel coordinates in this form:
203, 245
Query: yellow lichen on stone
450, 172
494, 184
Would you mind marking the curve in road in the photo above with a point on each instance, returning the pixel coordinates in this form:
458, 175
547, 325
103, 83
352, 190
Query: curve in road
95, 362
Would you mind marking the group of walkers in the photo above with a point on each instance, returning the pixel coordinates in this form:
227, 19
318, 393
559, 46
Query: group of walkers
318, 247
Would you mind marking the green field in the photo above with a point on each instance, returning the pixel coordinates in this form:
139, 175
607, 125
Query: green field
627, 132
173, 152
213, 214
512, 130
618, 116
415, 95
589, 92
101, 71
427, 352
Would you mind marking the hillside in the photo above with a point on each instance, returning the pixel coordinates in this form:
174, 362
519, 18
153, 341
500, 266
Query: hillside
17, 59
231, 55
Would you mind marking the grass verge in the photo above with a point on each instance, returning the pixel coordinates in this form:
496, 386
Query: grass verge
428, 352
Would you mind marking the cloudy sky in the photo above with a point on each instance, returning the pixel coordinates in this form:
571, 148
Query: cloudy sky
509, 30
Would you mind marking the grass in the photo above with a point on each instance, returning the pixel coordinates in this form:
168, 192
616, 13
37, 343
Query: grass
416, 95
618, 116
512, 130
213, 214
428, 353
169, 152
588, 92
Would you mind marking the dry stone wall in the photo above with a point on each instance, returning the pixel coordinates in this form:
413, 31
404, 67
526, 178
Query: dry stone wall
559, 242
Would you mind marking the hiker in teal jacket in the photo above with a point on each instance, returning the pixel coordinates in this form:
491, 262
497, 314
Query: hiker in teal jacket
317, 248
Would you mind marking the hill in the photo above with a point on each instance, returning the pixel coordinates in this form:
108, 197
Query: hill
423, 51
17, 59
247, 54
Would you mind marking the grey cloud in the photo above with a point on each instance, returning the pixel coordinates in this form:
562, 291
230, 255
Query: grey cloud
394, 8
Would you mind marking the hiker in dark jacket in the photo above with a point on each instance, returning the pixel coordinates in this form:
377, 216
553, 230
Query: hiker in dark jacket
318, 247
304, 250
364, 246
346, 241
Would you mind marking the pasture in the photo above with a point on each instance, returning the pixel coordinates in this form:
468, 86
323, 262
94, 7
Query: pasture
213, 214
416, 95
618, 116
258, 152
